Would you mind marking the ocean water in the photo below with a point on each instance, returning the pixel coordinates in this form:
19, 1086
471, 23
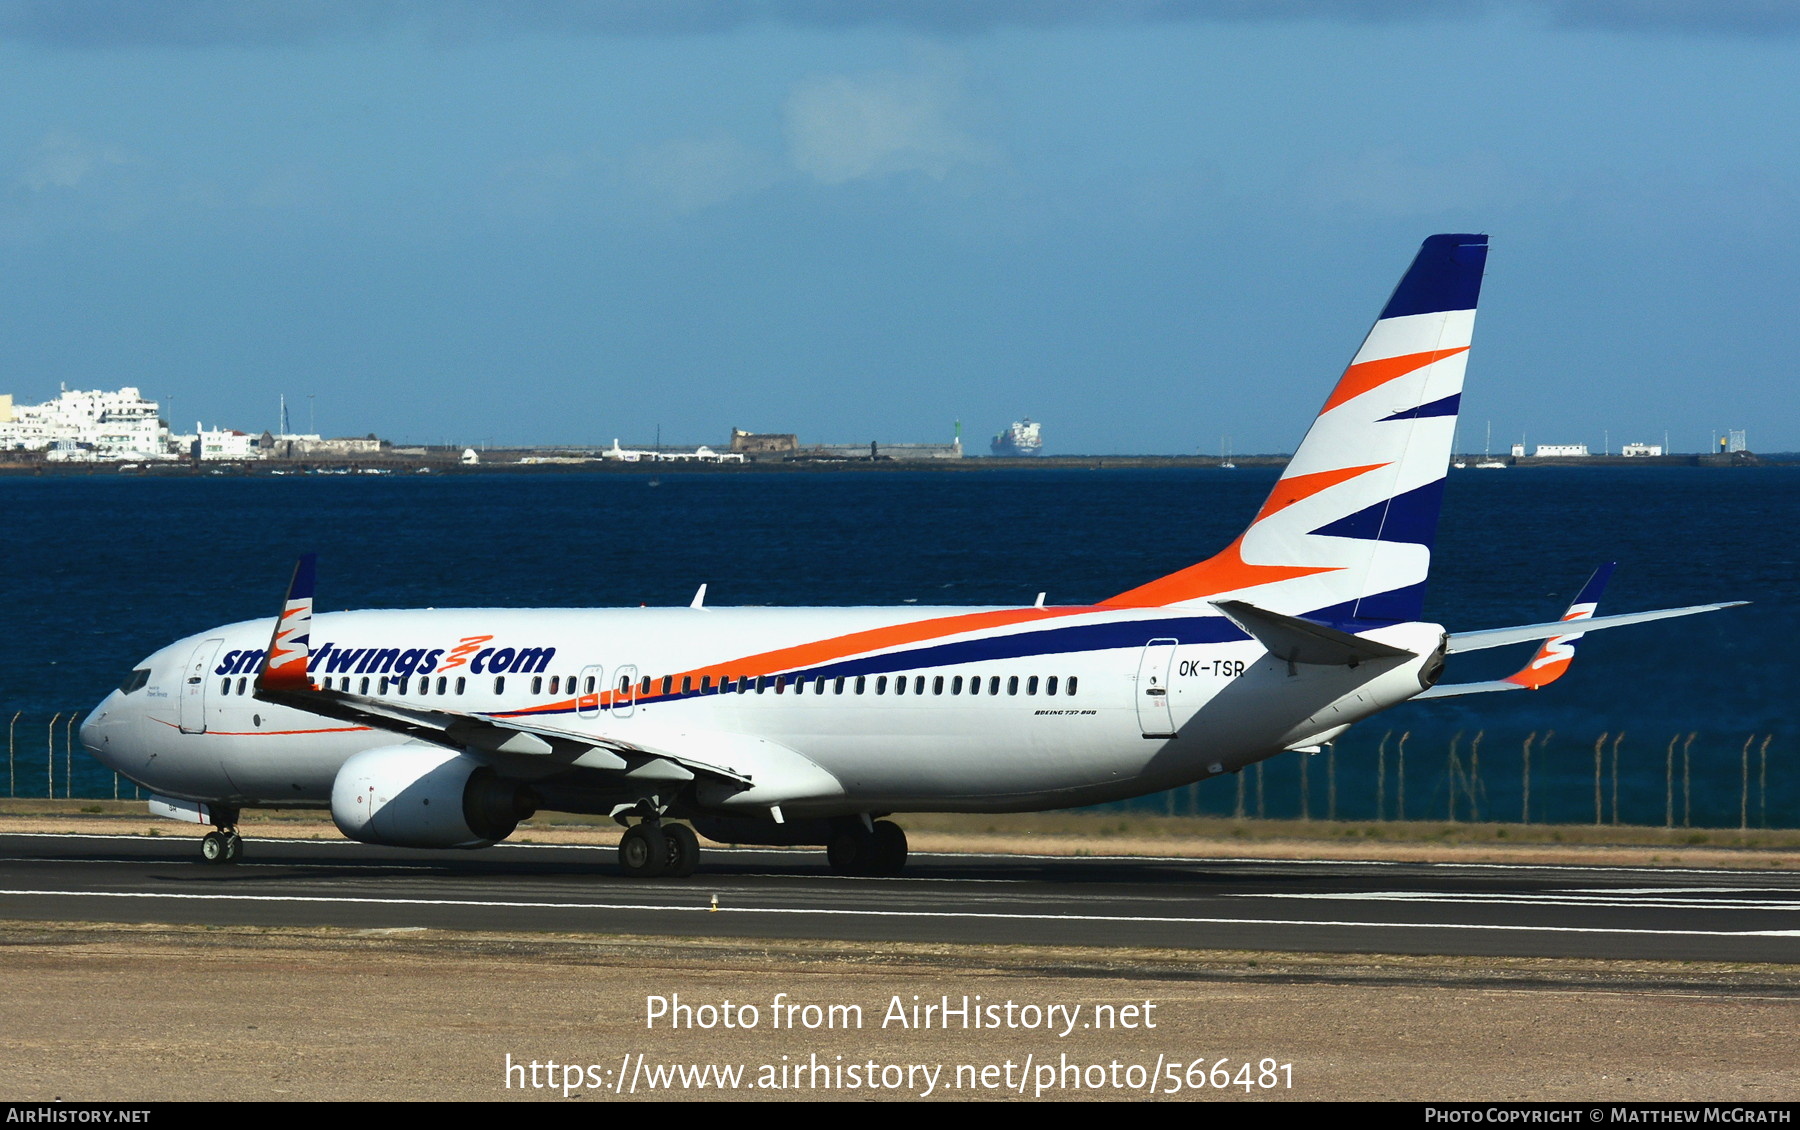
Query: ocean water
98, 571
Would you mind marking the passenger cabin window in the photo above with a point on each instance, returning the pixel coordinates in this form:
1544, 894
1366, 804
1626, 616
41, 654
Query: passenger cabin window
537, 684
1031, 685
499, 684
1071, 684
461, 683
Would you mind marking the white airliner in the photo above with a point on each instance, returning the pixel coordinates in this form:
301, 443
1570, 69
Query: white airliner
445, 728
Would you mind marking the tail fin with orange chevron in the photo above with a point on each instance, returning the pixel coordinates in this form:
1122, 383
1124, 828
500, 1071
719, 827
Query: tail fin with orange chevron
1346, 534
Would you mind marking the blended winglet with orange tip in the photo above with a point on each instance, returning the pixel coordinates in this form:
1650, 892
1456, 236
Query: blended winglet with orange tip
290, 647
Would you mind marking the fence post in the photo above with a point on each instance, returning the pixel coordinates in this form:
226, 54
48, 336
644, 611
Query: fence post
11, 778
1400, 776
1331, 781
1687, 795
1599, 744
1238, 812
1525, 783
1762, 783
1305, 788
68, 756
1381, 777
1261, 812
1617, 741
50, 756
1744, 786
1452, 776
1475, 777
1669, 784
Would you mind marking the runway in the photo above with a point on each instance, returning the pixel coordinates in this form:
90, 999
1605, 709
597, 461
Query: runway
1240, 904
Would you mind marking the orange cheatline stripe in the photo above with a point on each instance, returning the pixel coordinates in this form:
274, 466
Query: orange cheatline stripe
1291, 490
1358, 379
813, 654
1225, 571
877, 639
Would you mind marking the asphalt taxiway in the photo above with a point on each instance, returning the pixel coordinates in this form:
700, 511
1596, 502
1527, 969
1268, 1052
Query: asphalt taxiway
1240, 904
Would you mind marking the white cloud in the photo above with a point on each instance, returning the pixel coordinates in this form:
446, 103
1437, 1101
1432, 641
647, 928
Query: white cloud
842, 128
688, 174
63, 161
1384, 180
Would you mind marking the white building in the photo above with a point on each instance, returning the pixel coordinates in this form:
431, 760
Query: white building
1640, 449
225, 443
79, 425
1559, 450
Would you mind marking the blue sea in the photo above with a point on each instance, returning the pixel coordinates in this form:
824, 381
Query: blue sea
100, 570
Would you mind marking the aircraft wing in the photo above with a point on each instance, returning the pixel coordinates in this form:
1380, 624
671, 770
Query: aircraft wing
738, 769
1557, 652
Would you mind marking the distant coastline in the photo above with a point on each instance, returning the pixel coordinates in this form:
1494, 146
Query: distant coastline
447, 461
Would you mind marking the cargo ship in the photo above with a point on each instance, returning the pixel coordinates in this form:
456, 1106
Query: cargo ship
1023, 438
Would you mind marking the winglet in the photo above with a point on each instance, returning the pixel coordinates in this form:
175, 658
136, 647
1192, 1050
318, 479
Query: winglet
284, 667
1555, 654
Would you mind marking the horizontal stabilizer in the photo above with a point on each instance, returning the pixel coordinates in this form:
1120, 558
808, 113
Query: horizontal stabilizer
1500, 637
1455, 690
1303, 641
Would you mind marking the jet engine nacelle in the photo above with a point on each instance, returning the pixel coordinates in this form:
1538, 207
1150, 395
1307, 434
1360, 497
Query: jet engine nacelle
425, 797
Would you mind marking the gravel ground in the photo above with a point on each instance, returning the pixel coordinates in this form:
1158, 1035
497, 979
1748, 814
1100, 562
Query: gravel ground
135, 1014
114, 1013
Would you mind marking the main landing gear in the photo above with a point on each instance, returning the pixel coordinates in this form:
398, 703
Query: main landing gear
861, 848
651, 849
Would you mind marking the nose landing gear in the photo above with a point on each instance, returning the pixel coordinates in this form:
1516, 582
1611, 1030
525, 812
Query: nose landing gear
222, 844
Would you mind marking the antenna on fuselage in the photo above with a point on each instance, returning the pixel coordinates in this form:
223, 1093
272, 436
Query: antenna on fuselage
699, 600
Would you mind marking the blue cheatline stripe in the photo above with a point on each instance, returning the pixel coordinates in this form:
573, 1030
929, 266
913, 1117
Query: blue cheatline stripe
1444, 407
1051, 641
1445, 275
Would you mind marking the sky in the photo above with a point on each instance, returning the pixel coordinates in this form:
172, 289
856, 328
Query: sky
1156, 226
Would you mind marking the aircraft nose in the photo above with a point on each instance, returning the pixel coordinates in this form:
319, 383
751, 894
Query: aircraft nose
96, 730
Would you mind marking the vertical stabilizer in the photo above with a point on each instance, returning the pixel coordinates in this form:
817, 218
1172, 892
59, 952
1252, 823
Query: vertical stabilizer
1347, 532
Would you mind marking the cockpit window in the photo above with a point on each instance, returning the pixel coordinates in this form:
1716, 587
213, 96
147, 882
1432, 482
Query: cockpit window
135, 680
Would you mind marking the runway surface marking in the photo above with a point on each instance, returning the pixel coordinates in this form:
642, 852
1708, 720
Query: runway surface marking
1690, 900
916, 914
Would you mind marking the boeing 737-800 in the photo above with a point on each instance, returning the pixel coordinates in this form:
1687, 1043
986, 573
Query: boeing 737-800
445, 728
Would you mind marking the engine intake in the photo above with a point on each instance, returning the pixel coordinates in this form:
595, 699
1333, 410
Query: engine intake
426, 797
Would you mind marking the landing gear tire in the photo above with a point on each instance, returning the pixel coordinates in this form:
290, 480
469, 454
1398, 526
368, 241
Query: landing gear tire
684, 851
848, 851
644, 851
212, 847
887, 849
856, 850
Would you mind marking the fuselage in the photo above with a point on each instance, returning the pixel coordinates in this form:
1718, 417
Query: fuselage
907, 709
